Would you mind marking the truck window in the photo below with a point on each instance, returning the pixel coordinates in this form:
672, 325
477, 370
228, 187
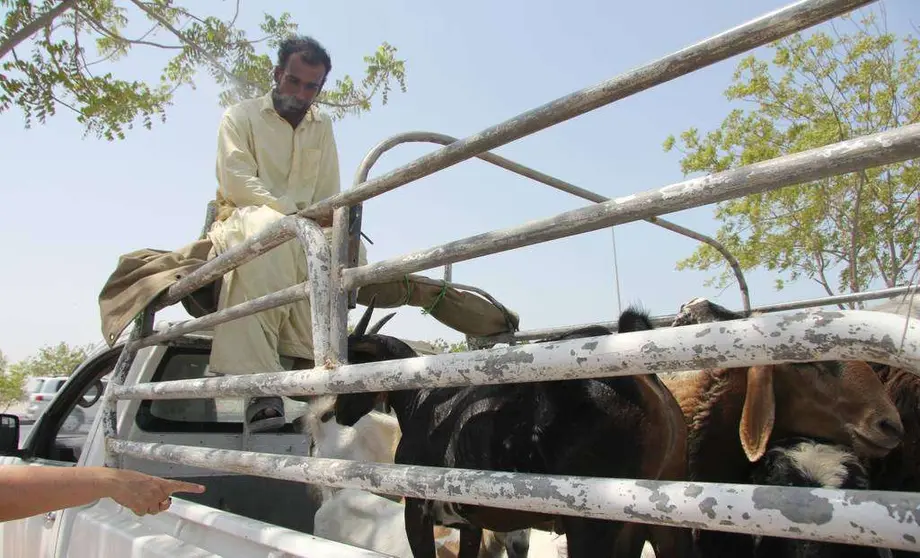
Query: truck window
64, 424
199, 415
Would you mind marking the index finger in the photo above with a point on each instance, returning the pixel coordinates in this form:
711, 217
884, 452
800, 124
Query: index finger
182, 486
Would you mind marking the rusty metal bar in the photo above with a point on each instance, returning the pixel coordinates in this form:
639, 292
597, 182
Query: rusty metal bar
847, 156
338, 313
747, 36
873, 518
443, 139
319, 278
143, 324
667, 319
807, 336
841, 299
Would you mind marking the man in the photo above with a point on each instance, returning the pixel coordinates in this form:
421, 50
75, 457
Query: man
276, 155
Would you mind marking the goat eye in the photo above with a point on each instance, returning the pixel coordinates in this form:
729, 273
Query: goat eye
326, 416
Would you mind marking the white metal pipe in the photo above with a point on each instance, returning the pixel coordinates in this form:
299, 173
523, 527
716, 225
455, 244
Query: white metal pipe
319, 278
668, 319
338, 328
283, 297
803, 336
873, 518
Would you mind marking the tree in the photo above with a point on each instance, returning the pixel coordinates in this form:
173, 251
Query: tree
446, 347
818, 90
59, 360
58, 73
10, 384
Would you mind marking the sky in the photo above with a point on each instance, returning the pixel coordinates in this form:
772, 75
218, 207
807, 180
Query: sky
73, 204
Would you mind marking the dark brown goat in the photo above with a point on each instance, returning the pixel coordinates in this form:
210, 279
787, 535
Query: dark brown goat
623, 427
732, 415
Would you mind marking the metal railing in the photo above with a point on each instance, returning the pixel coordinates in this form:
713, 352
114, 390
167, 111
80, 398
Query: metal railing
443, 139
668, 319
858, 517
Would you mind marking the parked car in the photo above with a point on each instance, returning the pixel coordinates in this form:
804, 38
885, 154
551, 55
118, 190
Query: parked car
41, 390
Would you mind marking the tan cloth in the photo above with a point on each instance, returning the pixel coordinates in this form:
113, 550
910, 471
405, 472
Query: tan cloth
141, 276
461, 311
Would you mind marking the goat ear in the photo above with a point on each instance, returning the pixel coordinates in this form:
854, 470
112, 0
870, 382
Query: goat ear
759, 412
361, 328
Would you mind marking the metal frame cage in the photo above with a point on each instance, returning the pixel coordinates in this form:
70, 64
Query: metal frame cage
867, 517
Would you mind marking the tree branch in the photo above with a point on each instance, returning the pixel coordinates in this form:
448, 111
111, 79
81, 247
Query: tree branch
203, 53
31, 28
115, 36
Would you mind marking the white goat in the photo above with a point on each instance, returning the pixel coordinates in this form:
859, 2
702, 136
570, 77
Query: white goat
374, 522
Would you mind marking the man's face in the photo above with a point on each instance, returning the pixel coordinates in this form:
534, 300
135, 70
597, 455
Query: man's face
298, 84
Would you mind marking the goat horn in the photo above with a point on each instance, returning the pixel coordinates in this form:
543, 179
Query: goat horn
376, 327
361, 328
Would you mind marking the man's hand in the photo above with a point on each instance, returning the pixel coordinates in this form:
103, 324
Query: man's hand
145, 494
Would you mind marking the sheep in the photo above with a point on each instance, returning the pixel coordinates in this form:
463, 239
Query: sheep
373, 521
574, 427
800, 461
732, 414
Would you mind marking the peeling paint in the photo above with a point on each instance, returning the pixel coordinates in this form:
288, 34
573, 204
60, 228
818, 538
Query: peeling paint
707, 507
812, 509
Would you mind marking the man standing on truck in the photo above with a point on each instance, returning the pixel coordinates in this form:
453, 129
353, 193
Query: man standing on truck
276, 154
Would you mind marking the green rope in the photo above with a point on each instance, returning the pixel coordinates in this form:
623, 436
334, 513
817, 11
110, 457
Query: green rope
408, 290
437, 299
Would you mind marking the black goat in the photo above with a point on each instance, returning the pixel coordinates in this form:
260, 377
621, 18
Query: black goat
624, 427
800, 461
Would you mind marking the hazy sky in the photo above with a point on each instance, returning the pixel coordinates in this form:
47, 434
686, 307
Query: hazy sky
72, 205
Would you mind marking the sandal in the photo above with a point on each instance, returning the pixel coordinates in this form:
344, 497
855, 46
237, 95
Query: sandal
265, 413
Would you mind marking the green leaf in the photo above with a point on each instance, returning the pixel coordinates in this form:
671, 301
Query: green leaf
54, 69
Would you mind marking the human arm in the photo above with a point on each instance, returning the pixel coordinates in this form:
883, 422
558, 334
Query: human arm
26, 491
237, 171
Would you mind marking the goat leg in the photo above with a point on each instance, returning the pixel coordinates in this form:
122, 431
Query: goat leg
590, 538
419, 529
470, 541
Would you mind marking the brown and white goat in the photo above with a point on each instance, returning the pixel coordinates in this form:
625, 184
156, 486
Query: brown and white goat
623, 427
732, 414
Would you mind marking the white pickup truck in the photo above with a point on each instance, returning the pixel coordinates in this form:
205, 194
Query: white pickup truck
238, 515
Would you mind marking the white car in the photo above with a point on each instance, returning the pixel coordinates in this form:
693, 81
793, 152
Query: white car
41, 390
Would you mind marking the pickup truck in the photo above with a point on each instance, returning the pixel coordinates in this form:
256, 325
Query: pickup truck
238, 515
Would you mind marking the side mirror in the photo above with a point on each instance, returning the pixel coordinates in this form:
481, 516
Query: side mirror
92, 395
9, 434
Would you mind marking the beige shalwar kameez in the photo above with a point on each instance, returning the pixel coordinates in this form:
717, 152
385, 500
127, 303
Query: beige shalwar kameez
266, 169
